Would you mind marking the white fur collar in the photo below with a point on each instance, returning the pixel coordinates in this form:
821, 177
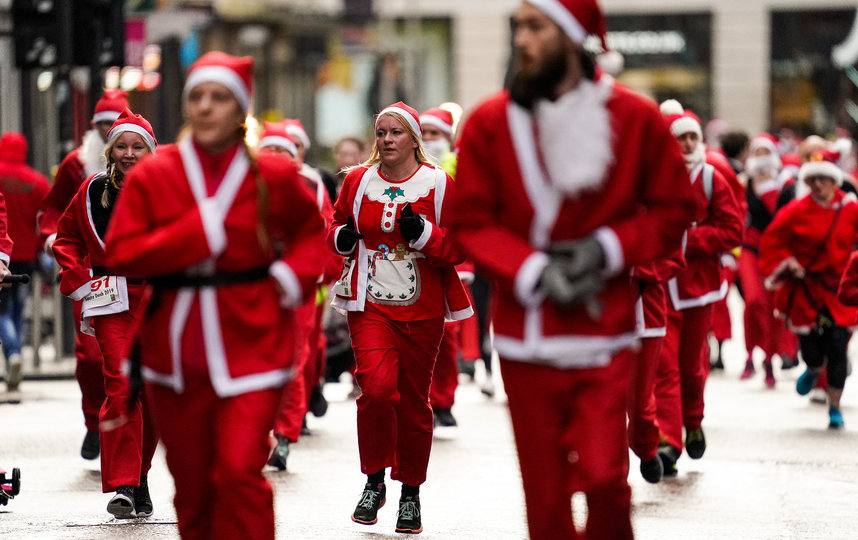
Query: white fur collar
575, 137
91, 153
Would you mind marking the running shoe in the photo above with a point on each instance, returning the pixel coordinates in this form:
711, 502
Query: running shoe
695, 443
668, 456
770, 374
445, 418
280, 454
408, 519
318, 403
749, 370
142, 501
805, 382
652, 470
122, 503
372, 498
835, 418
91, 446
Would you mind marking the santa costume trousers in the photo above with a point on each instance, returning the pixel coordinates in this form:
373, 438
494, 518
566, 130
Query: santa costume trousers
128, 437
762, 329
393, 367
316, 357
570, 432
644, 434
88, 372
293, 404
445, 378
682, 372
216, 448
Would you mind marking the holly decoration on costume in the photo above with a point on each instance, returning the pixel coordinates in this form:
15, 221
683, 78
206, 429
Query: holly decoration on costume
394, 192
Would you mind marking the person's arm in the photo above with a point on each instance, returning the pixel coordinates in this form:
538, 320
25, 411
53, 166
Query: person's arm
725, 230
5, 242
776, 256
66, 183
847, 292
70, 249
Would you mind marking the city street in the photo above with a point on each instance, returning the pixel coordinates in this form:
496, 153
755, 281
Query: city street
772, 471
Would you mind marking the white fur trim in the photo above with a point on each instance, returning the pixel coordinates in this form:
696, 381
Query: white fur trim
526, 278
213, 225
821, 168
640, 323
89, 208
698, 301
466, 277
292, 129
563, 17
5, 257
49, 241
81, 291
565, 352
277, 140
287, 279
404, 114
105, 116
115, 131
685, 124
421, 242
431, 120
222, 75
614, 260
459, 315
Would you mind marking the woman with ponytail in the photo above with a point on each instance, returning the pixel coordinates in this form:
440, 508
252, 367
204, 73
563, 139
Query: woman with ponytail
230, 246
111, 308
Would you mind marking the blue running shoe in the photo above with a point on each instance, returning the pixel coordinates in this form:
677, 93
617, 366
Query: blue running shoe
835, 418
805, 383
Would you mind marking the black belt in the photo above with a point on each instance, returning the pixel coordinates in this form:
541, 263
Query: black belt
103, 271
178, 281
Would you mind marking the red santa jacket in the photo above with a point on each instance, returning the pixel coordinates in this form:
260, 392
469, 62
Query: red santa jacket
166, 224
406, 281
847, 291
5, 241
77, 166
717, 228
24, 188
507, 214
801, 230
314, 181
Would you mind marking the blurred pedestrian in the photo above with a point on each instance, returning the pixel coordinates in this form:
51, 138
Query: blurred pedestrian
230, 245
564, 183
111, 310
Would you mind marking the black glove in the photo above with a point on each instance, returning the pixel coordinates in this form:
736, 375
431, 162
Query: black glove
579, 257
348, 236
410, 223
559, 287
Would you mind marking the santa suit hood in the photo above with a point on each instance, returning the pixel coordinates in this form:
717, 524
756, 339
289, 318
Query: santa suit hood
13, 148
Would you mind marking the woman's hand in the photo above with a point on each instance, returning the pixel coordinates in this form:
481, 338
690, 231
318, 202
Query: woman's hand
348, 236
410, 223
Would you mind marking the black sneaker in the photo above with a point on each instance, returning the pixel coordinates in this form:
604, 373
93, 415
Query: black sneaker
408, 517
122, 504
366, 511
305, 431
695, 444
788, 361
318, 403
652, 470
280, 454
142, 500
668, 456
445, 418
91, 446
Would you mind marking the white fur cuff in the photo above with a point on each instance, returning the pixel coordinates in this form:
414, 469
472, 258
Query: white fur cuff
614, 260
421, 242
81, 291
527, 277
337, 235
287, 279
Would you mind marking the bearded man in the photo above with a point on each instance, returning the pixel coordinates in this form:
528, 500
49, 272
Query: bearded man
566, 181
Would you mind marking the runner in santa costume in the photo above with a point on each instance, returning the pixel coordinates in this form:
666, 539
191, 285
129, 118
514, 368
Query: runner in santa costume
398, 284
764, 184
564, 183
77, 166
717, 229
5, 242
308, 317
111, 311
201, 220
803, 254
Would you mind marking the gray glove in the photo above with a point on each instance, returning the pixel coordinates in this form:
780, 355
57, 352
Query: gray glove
580, 257
564, 290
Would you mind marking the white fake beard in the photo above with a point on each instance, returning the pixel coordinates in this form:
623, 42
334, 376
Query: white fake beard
91, 153
437, 149
768, 164
575, 138
696, 157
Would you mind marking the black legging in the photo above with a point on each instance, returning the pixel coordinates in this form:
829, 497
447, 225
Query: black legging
830, 346
481, 290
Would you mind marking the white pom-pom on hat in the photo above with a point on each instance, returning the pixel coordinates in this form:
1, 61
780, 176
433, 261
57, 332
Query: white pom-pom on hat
611, 62
671, 106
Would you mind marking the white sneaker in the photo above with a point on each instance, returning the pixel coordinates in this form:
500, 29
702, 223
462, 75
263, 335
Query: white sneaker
818, 395
488, 386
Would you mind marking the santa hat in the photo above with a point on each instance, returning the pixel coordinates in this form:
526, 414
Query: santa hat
578, 19
408, 113
277, 134
134, 123
295, 128
764, 140
110, 106
234, 72
680, 120
822, 163
440, 118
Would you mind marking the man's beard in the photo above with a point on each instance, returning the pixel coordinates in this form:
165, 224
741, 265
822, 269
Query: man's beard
527, 87
696, 157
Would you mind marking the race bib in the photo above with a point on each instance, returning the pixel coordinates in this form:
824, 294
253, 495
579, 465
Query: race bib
108, 294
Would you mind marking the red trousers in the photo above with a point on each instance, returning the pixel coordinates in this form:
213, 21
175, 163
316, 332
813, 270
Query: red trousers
762, 329
570, 432
393, 366
315, 365
88, 372
682, 372
216, 449
644, 433
445, 378
470, 340
128, 437
293, 404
